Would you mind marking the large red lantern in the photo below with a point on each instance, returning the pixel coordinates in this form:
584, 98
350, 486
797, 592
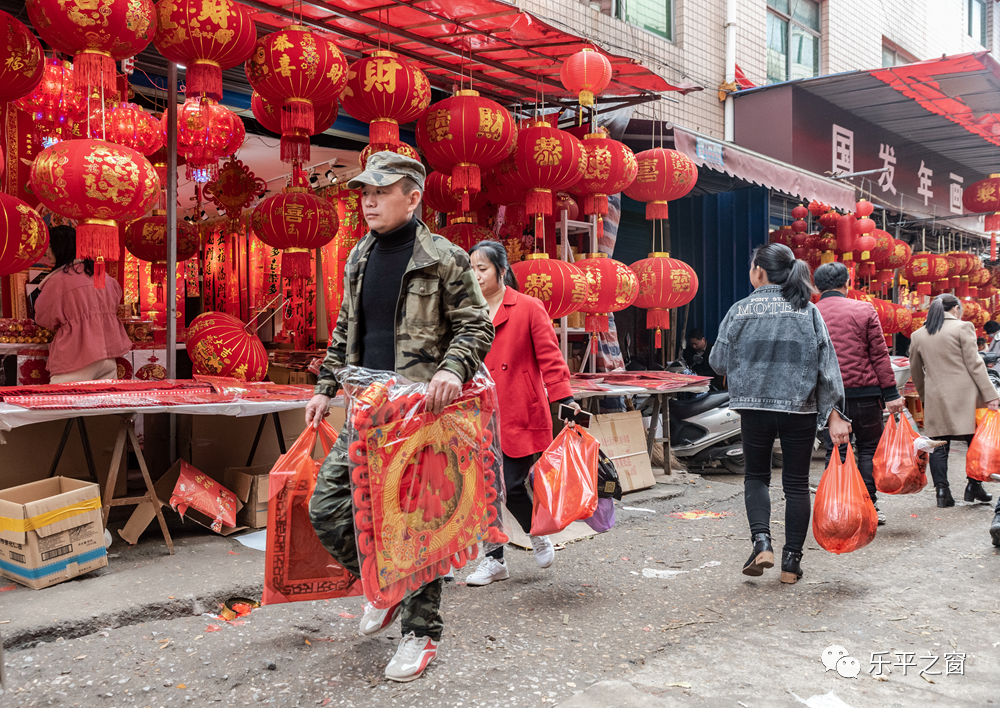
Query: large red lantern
296, 222
561, 286
663, 175
465, 233
664, 283
586, 73
205, 130
221, 345
97, 183
903, 318
439, 195
983, 196
926, 268
547, 160
205, 38
21, 60
24, 238
611, 167
146, 239
886, 315
96, 33
132, 127
295, 142
55, 105
613, 287
900, 254
917, 318
399, 148
385, 90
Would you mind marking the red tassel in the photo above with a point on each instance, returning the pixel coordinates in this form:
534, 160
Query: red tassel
465, 202
993, 246
158, 272
595, 204
94, 70
465, 176
659, 340
600, 228
656, 210
538, 201
384, 131
203, 78
296, 264
924, 289
596, 323
160, 295
297, 115
99, 274
95, 239
295, 148
657, 318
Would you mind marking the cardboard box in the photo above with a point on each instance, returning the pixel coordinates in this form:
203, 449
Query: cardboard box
276, 373
302, 378
51, 531
623, 439
250, 485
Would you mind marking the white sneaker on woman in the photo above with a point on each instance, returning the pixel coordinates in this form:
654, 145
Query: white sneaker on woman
545, 552
489, 569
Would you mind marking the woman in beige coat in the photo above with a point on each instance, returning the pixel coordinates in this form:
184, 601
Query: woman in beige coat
951, 379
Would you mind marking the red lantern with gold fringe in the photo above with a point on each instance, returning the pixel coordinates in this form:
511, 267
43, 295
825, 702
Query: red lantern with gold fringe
55, 105
926, 268
146, 239
294, 142
22, 63
561, 286
664, 283
662, 176
439, 195
24, 237
613, 287
465, 233
611, 167
205, 131
399, 148
547, 160
221, 345
899, 256
132, 127
385, 90
586, 73
297, 222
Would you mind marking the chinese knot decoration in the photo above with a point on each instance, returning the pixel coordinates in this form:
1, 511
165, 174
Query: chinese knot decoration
132, 127
611, 167
664, 283
613, 287
294, 142
546, 161
24, 238
385, 90
236, 189
55, 104
220, 345
97, 34
296, 222
663, 175
587, 73
146, 239
206, 37
21, 60
561, 286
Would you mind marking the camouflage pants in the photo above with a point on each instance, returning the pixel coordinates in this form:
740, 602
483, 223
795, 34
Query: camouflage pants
332, 516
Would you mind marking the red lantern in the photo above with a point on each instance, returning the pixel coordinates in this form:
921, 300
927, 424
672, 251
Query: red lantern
97, 34
782, 235
55, 105
295, 142
561, 286
399, 148
926, 268
385, 90
24, 238
465, 233
611, 167
205, 41
904, 319
204, 132
465, 133
664, 283
799, 212
221, 345
239, 137
983, 196
900, 255
132, 127
613, 287
21, 60
883, 246
439, 195
297, 222
886, 316
663, 175
586, 73
970, 309
846, 236
916, 322
547, 160
146, 239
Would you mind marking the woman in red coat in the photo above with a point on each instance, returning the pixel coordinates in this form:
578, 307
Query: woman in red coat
530, 373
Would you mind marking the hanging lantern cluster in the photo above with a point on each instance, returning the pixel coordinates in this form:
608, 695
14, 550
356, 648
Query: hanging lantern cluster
24, 237
586, 74
132, 127
863, 229
925, 268
613, 286
384, 90
664, 283
55, 104
297, 222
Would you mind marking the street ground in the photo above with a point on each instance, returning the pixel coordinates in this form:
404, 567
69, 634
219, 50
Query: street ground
591, 631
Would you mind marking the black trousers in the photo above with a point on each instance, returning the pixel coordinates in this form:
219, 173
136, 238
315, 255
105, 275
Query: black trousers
866, 431
797, 432
939, 458
515, 475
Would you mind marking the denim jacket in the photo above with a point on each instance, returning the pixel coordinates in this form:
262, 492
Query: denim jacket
777, 358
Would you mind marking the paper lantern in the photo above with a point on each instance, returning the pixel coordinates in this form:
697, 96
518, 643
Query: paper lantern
586, 73
204, 132
664, 283
846, 236
561, 286
611, 167
970, 309
295, 142
96, 33
297, 222
22, 63
206, 38
926, 268
983, 196
903, 318
385, 90
146, 239
613, 287
882, 248
55, 104
886, 316
399, 148
663, 175
221, 345
24, 237
546, 160
132, 127
464, 233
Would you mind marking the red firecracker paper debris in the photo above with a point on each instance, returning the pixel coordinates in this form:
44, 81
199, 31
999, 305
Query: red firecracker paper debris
200, 492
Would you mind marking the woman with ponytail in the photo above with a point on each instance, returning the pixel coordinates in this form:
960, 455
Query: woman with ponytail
785, 382
951, 379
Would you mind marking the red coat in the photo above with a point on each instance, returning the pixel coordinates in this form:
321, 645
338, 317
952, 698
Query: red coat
860, 346
525, 361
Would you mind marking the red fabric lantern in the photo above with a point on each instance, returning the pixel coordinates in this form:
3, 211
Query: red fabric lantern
547, 160
846, 236
886, 316
55, 105
97, 183
298, 69
883, 246
663, 175
439, 195
782, 236
221, 345
132, 127
206, 38
399, 148
561, 286
295, 142
465, 233
204, 132
24, 238
916, 322
586, 73
146, 239
664, 283
613, 287
611, 167
239, 137
21, 60
97, 34
466, 133
900, 255
385, 90
970, 309
296, 222
925, 268
904, 319
983, 196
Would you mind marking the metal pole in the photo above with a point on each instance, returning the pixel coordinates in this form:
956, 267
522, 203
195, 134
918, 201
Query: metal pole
171, 288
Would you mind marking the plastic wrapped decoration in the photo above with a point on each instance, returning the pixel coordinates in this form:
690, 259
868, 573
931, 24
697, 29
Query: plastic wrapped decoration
426, 489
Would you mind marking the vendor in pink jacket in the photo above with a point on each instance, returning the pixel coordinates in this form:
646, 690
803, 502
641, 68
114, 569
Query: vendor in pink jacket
88, 335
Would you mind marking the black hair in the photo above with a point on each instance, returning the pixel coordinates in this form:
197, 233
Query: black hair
62, 239
980, 341
496, 254
831, 276
992, 327
935, 314
695, 334
784, 269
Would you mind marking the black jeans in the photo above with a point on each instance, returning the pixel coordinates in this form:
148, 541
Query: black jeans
797, 432
939, 458
515, 474
866, 430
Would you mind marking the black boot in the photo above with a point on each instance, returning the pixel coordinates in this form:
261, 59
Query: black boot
790, 570
944, 498
762, 556
974, 492
995, 530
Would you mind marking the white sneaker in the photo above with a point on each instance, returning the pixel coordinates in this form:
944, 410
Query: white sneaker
545, 553
375, 620
412, 657
881, 516
489, 569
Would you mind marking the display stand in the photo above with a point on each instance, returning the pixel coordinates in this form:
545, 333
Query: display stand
564, 229
84, 440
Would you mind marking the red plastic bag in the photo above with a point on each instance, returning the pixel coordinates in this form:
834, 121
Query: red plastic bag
899, 468
983, 458
844, 518
565, 484
298, 567
198, 491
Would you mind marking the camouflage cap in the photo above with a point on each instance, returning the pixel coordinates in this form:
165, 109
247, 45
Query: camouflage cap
386, 168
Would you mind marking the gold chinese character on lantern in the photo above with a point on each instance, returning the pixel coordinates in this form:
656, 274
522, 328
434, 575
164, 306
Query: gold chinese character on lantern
921, 267
649, 171
380, 74
599, 164
285, 66
580, 288
539, 285
490, 124
293, 213
986, 192
548, 152
680, 281
439, 125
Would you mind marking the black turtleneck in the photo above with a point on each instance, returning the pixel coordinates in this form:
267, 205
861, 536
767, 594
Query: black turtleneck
380, 289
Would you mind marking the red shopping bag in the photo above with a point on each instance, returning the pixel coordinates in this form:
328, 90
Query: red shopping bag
297, 566
565, 483
844, 518
899, 468
983, 458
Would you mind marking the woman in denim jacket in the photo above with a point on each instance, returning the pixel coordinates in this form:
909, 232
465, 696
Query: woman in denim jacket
785, 382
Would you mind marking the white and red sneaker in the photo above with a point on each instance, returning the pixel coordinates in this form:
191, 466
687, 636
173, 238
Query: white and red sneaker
412, 657
375, 620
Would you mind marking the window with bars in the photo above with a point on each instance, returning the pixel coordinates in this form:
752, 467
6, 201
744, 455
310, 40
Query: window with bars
793, 37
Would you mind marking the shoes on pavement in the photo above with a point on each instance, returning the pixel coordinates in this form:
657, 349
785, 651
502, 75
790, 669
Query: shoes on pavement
545, 552
944, 498
449, 577
489, 569
375, 620
995, 530
412, 656
790, 568
881, 516
974, 492
761, 557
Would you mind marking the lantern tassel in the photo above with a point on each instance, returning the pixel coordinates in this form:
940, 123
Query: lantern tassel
295, 148
384, 131
596, 323
297, 114
595, 204
92, 69
586, 98
600, 228
539, 201
657, 318
993, 246
94, 239
99, 274
656, 210
203, 78
659, 340
158, 272
465, 177
296, 265
465, 202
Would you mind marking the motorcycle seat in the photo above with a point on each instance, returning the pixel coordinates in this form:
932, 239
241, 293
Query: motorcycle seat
688, 409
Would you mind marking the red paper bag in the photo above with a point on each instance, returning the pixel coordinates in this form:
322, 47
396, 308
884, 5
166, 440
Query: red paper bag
899, 469
844, 518
565, 483
298, 567
200, 492
983, 458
